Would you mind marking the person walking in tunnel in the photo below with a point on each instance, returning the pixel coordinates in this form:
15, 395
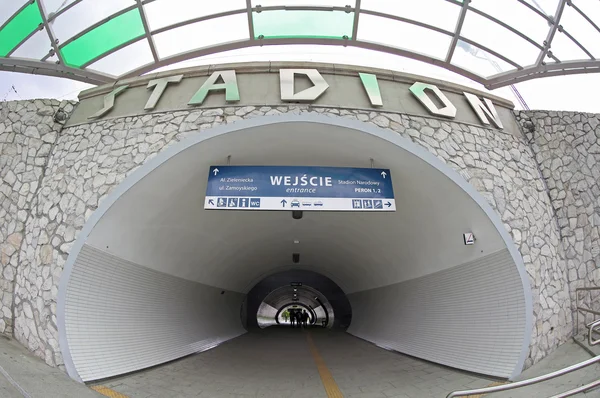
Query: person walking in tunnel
304, 318
298, 318
286, 316
292, 318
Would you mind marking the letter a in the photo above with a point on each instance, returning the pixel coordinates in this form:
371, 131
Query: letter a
229, 84
286, 80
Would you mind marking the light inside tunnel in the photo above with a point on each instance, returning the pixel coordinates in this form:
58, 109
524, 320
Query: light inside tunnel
149, 268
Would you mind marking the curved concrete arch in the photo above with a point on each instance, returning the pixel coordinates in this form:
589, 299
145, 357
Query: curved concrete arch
386, 135
280, 296
309, 278
276, 270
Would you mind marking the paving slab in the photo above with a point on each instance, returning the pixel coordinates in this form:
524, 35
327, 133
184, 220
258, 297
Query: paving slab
280, 363
24, 375
277, 362
362, 370
566, 355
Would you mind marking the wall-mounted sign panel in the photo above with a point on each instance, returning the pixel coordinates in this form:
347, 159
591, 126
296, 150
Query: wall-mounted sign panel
299, 188
469, 238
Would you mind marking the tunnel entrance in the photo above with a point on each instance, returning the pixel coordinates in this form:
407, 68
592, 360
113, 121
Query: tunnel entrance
292, 314
325, 302
163, 278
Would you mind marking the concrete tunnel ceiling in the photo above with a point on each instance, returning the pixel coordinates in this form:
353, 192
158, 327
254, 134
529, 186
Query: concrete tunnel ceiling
178, 273
160, 222
284, 295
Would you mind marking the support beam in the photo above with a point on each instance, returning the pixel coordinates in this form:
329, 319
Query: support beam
551, 32
356, 20
22, 41
56, 70
51, 36
589, 54
459, 24
250, 20
147, 30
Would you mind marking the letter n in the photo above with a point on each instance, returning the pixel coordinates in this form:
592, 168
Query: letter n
229, 84
484, 111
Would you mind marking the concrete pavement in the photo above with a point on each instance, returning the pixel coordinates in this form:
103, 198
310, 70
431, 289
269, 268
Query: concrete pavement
24, 375
283, 363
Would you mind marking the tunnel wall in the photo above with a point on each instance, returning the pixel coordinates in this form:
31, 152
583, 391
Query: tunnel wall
89, 160
124, 317
567, 149
468, 317
265, 316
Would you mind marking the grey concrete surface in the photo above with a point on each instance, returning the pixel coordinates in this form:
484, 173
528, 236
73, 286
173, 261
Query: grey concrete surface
363, 370
24, 375
270, 363
567, 354
276, 362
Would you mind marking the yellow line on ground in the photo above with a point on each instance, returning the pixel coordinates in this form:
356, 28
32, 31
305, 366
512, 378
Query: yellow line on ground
494, 384
331, 387
107, 392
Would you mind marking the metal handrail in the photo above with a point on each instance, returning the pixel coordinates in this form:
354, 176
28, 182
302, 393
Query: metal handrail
577, 390
523, 383
579, 308
535, 380
591, 328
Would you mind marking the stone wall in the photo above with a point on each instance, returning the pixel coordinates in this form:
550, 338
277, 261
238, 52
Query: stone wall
27, 135
89, 160
567, 148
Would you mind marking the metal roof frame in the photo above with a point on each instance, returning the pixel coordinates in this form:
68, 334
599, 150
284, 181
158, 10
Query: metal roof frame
521, 73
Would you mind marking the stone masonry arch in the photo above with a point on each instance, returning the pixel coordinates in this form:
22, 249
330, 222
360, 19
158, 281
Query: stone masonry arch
89, 160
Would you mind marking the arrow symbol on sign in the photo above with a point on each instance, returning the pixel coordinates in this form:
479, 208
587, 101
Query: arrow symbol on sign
216, 171
211, 202
388, 204
284, 202
383, 174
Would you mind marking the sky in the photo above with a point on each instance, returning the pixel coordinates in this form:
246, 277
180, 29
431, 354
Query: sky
568, 93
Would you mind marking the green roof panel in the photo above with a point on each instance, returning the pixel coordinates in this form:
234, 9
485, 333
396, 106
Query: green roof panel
278, 24
100, 40
19, 27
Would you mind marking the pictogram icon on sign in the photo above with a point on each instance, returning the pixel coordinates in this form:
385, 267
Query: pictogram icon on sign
469, 238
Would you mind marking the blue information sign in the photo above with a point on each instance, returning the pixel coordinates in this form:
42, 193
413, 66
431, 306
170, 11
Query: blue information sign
299, 188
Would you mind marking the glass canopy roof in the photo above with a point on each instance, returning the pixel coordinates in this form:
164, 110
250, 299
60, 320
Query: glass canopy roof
493, 42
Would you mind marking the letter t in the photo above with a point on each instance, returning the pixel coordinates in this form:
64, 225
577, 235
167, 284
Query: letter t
160, 85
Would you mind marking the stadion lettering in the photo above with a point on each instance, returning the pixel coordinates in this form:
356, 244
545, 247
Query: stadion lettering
427, 94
